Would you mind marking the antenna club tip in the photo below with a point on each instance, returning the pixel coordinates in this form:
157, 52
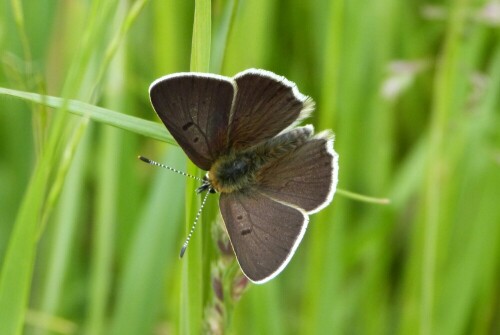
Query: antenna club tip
144, 159
183, 250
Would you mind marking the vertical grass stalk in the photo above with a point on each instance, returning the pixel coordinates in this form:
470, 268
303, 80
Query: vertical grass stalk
193, 278
442, 113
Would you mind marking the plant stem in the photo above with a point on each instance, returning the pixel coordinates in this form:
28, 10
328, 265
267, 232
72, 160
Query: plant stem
363, 198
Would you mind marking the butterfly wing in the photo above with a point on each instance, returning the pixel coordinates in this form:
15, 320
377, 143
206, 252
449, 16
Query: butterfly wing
195, 108
265, 105
264, 233
305, 178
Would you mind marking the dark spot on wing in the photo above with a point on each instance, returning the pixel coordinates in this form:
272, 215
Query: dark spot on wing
196, 139
246, 231
239, 217
187, 126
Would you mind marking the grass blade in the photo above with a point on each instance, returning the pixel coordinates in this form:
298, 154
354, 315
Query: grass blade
99, 114
193, 279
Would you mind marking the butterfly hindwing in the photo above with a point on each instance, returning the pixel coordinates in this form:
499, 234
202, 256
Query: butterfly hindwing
264, 233
305, 178
195, 108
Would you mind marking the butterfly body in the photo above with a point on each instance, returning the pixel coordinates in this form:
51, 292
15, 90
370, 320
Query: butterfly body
269, 173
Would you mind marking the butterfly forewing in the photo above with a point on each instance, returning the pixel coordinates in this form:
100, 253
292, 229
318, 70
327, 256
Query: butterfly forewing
264, 233
306, 177
195, 108
265, 105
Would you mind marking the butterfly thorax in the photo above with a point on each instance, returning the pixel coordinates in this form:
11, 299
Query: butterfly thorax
233, 171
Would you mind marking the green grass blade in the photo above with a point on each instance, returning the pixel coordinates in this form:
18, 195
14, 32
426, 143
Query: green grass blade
64, 237
202, 36
193, 280
98, 114
443, 111
153, 255
221, 34
18, 263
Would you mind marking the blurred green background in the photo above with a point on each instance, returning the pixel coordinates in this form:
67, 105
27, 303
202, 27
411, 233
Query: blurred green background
89, 235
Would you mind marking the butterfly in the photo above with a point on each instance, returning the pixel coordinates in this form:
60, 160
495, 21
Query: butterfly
270, 173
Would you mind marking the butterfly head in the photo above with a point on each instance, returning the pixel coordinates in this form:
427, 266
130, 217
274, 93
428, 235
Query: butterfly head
206, 185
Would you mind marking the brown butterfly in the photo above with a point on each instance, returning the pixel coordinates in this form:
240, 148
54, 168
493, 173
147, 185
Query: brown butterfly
270, 174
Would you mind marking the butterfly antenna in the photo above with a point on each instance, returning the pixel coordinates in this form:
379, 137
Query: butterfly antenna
149, 161
184, 246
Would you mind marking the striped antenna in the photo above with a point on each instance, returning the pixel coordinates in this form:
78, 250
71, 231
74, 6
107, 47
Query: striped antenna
149, 161
184, 246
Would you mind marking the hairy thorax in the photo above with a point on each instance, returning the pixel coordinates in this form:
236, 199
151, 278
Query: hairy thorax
234, 171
